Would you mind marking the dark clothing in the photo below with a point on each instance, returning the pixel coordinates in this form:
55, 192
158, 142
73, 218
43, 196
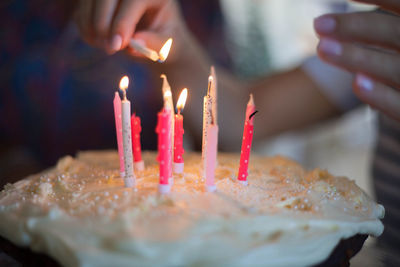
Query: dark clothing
386, 173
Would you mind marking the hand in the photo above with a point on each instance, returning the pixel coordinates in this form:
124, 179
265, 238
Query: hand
367, 44
110, 24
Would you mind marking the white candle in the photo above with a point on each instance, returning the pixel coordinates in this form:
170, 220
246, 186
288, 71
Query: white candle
129, 178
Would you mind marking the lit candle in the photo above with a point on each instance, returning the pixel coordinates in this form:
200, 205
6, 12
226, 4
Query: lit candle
164, 146
168, 102
246, 141
129, 178
150, 53
178, 134
136, 145
118, 129
210, 139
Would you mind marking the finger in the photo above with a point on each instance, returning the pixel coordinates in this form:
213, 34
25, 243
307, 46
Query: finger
391, 5
378, 64
378, 95
359, 26
103, 13
124, 23
83, 20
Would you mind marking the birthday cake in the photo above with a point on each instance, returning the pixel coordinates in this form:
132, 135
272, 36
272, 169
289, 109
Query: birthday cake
80, 214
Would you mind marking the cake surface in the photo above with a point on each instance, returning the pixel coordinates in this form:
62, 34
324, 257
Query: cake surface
79, 213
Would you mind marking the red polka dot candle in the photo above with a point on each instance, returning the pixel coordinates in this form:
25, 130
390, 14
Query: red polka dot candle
178, 164
168, 102
164, 149
246, 141
136, 145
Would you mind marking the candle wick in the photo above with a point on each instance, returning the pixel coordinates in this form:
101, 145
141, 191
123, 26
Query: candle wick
209, 86
166, 107
252, 114
124, 94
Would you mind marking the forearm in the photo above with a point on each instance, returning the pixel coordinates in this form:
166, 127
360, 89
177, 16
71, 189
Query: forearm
286, 101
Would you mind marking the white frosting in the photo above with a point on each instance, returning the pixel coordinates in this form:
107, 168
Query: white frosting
80, 214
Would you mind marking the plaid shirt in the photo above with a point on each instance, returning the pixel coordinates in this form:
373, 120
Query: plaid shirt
56, 92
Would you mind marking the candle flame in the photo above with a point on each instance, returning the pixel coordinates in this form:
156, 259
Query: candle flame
124, 83
164, 51
182, 99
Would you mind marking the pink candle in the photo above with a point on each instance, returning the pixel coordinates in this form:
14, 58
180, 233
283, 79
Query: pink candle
118, 128
164, 149
214, 94
210, 137
178, 134
211, 157
246, 141
136, 145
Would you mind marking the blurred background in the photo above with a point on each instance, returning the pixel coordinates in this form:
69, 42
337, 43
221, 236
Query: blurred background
56, 92
343, 146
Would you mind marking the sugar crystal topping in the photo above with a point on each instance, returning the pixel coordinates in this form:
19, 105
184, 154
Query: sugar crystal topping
90, 185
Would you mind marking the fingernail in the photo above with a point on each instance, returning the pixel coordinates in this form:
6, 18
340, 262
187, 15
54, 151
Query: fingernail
365, 83
116, 43
330, 47
324, 24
